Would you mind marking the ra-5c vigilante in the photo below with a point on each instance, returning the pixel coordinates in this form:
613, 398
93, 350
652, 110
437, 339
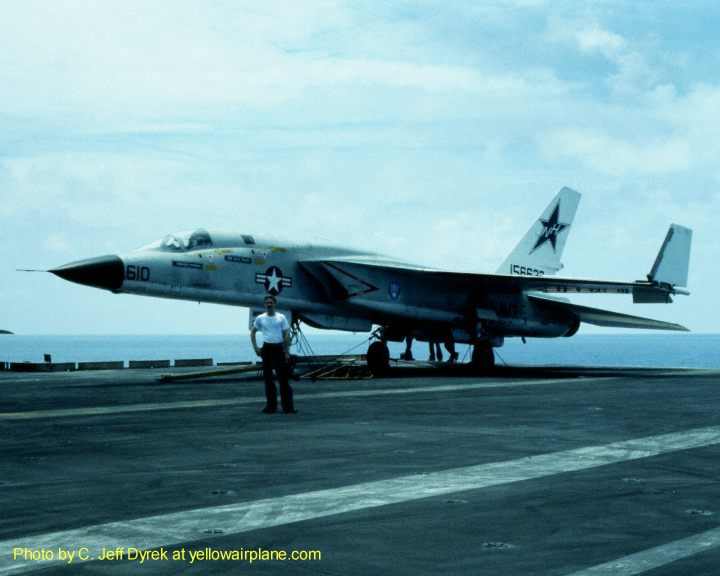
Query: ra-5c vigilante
343, 289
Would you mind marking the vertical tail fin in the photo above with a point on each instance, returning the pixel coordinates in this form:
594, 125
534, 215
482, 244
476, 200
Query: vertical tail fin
540, 250
672, 262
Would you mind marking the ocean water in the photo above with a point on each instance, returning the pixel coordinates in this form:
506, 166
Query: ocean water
660, 350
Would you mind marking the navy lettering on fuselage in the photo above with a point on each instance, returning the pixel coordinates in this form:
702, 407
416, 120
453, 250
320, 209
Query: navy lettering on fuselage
181, 264
240, 259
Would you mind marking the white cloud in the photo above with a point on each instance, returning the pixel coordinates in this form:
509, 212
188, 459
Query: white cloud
633, 73
127, 60
617, 156
595, 38
117, 54
695, 114
665, 133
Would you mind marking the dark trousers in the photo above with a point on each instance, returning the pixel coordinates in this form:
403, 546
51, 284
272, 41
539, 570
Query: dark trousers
273, 357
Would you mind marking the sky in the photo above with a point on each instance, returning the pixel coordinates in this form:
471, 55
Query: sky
432, 131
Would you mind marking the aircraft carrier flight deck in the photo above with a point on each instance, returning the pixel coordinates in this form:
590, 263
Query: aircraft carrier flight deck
549, 471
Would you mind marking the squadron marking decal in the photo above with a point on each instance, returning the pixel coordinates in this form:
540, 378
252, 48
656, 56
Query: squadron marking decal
551, 228
394, 289
273, 280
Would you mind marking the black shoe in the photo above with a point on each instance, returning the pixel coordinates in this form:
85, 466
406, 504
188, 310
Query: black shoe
291, 411
268, 410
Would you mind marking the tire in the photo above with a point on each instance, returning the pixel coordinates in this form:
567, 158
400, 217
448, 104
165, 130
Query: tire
483, 359
378, 359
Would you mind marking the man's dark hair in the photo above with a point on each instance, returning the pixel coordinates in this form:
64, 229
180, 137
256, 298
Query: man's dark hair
271, 298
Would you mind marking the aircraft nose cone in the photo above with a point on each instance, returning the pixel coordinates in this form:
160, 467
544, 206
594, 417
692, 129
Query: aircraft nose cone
102, 272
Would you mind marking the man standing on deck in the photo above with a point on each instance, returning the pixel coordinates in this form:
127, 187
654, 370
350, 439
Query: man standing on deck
275, 355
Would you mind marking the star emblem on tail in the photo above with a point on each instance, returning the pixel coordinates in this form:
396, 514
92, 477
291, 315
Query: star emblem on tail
551, 228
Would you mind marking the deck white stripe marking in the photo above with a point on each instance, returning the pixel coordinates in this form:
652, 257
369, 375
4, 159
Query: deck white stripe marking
655, 557
191, 525
220, 402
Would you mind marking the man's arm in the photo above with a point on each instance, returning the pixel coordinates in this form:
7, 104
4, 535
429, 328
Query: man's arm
253, 331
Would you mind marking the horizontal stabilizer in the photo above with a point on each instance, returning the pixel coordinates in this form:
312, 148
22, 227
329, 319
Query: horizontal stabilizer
671, 264
608, 318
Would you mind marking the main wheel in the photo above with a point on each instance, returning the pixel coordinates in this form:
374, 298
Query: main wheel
378, 358
483, 358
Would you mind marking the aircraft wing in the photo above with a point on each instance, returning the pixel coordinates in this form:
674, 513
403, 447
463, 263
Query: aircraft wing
600, 317
350, 276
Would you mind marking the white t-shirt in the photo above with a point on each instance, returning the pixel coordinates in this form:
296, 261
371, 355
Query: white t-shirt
272, 327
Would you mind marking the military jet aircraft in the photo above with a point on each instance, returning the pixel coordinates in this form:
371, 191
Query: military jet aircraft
343, 289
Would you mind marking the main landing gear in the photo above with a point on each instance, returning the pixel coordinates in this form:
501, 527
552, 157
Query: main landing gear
483, 358
378, 358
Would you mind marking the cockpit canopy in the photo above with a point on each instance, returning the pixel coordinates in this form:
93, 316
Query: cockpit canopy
199, 239
182, 242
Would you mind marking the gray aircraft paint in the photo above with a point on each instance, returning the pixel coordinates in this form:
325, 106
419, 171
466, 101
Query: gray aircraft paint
345, 289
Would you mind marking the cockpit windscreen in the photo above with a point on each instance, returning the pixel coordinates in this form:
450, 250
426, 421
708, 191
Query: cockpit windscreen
182, 242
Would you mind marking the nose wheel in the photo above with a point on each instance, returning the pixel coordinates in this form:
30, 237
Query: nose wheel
378, 358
